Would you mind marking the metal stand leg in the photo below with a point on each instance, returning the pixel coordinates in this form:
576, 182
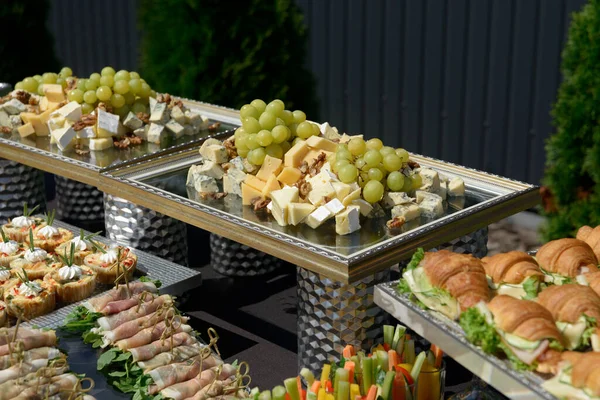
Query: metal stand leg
18, 184
231, 258
144, 229
78, 202
332, 315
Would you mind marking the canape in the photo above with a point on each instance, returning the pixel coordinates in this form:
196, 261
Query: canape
72, 282
17, 228
48, 237
27, 298
9, 250
111, 263
36, 262
84, 246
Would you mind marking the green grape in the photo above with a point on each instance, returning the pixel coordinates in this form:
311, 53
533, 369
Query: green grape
251, 125
239, 132
249, 111
364, 176
146, 91
86, 108
275, 150
103, 93
280, 134
373, 158
403, 154
90, 97
316, 131
375, 174
81, 84
293, 130
357, 146
285, 146
95, 77
108, 71
343, 154
407, 186
122, 75
264, 138
135, 85
287, 116
49, 77
343, 146
385, 150
373, 191
75, 95
121, 86
134, 75
61, 81
251, 142
395, 181
392, 162
297, 140
30, 85
129, 98
137, 106
65, 72
243, 152
19, 86
257, 156
299, 116
348, 173
279, 121
91, 85
122, 111
275, 107
152, 93
259, 105
242, 141
362, 182
267, 121
360, 163
118, 101
374, 144
417, 181
304, 130
40, 90
38, 78
339, 164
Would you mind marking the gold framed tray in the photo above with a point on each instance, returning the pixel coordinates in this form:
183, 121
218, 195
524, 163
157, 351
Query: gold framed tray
160, 184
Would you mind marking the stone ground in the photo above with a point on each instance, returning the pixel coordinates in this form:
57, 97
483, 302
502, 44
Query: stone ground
508, 235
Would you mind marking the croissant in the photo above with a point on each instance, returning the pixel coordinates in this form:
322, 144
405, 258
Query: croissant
523, 318
593, 279
462, 275
586, 370
567, 303
512, 267
591, 236
567, 257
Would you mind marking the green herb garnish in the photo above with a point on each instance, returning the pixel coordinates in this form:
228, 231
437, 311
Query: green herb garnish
31, 244
81, 320
4, 237
27, 212
49, 217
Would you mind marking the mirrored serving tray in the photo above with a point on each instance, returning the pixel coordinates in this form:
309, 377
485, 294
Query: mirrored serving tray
160, 184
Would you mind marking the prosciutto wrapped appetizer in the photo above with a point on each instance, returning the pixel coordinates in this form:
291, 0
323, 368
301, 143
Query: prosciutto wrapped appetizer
178, 354
29, 298
113, 321
21, 369
190, 388
36, 262
566, 258
523, 330
97, 304
515, 274
150, 334
105, 263
148, 351
169, 375
446, 282
48, 237
17, 229
578, 378
40, 353
130, 328
575, 308
83, 244
33, 341
58, 384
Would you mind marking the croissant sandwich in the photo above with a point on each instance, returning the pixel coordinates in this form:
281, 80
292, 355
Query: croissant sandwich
575, 308
578, 378
591, 236
567, 258
515, 273
523, 330
446, 282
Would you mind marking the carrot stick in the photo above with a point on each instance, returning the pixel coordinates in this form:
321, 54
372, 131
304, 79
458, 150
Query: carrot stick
300, 390
350, 366
372, 393
438, 353
316, 386
393, 359
348, 351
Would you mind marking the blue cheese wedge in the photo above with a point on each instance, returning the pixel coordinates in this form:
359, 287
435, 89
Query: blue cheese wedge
178, 115
132, 121
456, 187
431, 204
4, 119
431, 180
159, 114
392, 199
99, 144
232, 181
280, 200
347, 221
64, 137
202, 183
107, 125
408, 211
198, 121
152, 103
155, 132
215, 152
238, 163
176, 128
13, 107
210, 168
318, 217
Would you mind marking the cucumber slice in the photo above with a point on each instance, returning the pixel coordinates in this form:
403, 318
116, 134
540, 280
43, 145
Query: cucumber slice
416, 369
279, 393
521, 343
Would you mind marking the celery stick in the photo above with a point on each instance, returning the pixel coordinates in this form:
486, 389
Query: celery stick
398, 342
368, 372
291, 385
279, 393
341, 375
409, 351
386, 390
416, 369
388, 334
357, 366
308, 376
254, 393
430, 358
265, 395
310, 395
383, 360
343, 392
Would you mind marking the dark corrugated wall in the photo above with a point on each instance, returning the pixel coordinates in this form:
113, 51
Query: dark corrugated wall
468, 81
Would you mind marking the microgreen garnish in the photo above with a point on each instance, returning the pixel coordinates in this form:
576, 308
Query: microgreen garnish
49, 217
31, 244
97, 246
4, 238
68, 260
92, 235
23, 277
27, 212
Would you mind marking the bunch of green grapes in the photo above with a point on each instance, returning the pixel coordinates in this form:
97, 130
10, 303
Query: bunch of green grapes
270, 129
374, 166
34, 84
124, 90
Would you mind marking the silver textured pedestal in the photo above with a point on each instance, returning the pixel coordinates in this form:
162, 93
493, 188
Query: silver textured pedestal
231, 258
77, 201
332, 315
144, 229
19, 184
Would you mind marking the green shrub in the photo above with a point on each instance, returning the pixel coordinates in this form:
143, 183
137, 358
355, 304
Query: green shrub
573, 152
27, 46
227, 53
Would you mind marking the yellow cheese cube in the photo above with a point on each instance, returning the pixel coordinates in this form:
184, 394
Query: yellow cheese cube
26, 116
311, 156
317, 142
355, 195
289, 176
271, 185
341, 190
254, 182
26, 130
249, 193
270, 166
54, 92
39, 123
297, 212
45, 104
295, 155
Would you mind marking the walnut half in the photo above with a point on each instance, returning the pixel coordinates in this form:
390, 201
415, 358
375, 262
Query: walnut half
396, 223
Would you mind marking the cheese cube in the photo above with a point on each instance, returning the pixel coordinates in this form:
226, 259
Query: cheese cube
178, 115
159, 114
13, 107
100, 144
26, 130
45, 104
56, 123
311, 156
142, 132
4, 119
238, 163
249, 194
408, 211
432, 207
281, 199
321, 178
132, 121
320, 143
431, 180
319, 192
329, 132
196, 120
456, 187
175, 127
270, 186
155, 132
249, 167
318, 217
295, 155
15, 122
203, 183
289, 175
422, 195
392, 199
298, 212
347, 221
270, 166
71, 111
364, 206
152, 103
189, 130
341, 190
346, 138
443, 192
107, 125
26, 116
64, 137
54, 92
214, 152
209, 168
254, 182
232, 181
335, 206
210, 141
354, 195
39, 125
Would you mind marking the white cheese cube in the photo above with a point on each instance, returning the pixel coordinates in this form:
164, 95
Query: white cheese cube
178, 115
341, 190
328, 131
155, 132
431, 180
319, 192
392, 199
281, 199
324, 176
64, 137
100, 144
238, 163
176, 128
210, 168
71, 111
335, 206
152, 103
232, 181
132, 121
364, 206
159, 114
317, 217
214, 152
456, 187
142, 132
4, 119
196, 120
298, 212
347, 221
13, 107
107, 125
56, 122
408, 211
86, 133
